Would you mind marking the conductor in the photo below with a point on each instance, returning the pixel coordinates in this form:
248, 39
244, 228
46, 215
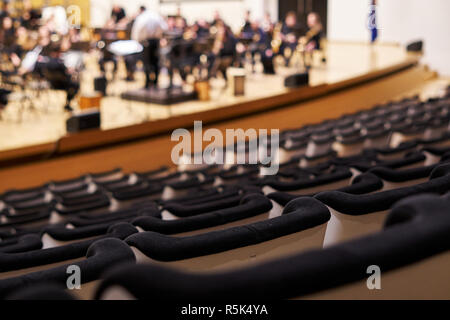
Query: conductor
148, 29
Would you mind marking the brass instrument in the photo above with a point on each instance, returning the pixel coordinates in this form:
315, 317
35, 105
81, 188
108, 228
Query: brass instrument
277, 39
306, 55
218, 41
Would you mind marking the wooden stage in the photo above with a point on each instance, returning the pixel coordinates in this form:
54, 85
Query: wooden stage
356, 77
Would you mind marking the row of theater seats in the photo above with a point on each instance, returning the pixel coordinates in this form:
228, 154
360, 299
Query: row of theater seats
366, 189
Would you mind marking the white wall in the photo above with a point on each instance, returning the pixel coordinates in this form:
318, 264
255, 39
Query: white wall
401, 21
231, 10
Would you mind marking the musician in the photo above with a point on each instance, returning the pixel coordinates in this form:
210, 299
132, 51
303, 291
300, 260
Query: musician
180, 24
5, 11
148, 29
267, 24
118, 17
217, 18
224, 50
131, 60
261, 44
247, 26
201, 29
30, 17
290, 33
311, 41
51, 66
8, 41
141, 10
7, 32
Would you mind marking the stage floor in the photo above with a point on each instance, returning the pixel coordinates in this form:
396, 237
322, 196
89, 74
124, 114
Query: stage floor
22, 127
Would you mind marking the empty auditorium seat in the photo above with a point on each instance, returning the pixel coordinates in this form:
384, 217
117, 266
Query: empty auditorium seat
338, 178
357, 215
252, 207
99, 256
364, 183
301, 227
413, 245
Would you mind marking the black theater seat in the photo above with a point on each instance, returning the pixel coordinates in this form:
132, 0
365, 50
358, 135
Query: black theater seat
394, 179
41, 216
252, 207
356, 215
395, 153
16, 196
138, 209
307, 161
180, 188
205, 195
206, 201
103, 177
340, 202
139, 191
413, 245
24, 243
410, 160
364, 183
124, 181
338, 178
184, 211
60, 235
320, 144
98, 202
71, 185
237, 174
292, 148
302, 226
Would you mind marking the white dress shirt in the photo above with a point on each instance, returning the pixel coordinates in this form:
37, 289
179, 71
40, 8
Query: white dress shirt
148, 25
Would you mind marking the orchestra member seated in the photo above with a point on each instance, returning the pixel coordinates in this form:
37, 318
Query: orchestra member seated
314, 34
312, 40
290, 33
5, 10
224, 50
217, 18
267, 24
51, 67
256, 42
8, 41
201, 29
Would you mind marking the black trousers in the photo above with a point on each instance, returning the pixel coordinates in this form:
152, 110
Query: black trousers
131, 62
151, 62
